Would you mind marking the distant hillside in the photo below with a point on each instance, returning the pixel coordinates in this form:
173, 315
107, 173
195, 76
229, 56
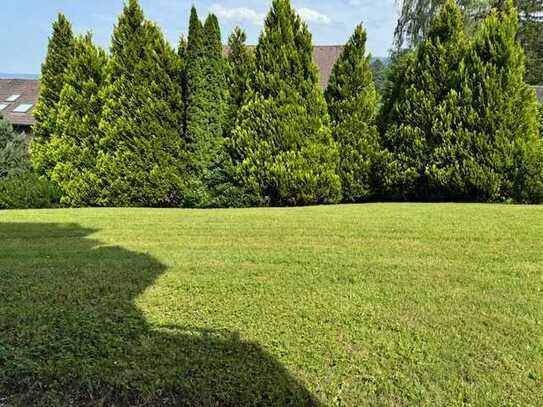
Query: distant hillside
18, 76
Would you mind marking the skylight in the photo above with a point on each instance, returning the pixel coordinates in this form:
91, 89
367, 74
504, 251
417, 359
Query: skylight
13, 98
3, 106
22, 108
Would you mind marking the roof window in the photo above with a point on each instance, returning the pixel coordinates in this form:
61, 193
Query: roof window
13, 98
22, 108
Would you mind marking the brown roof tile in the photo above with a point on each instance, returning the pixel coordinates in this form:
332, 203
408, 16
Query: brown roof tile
325, 56
28, 90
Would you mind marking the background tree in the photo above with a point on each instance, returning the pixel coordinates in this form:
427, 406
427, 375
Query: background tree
416, 18
59, 53
379, 70
141, 159
282, 145
74, 145
352, 102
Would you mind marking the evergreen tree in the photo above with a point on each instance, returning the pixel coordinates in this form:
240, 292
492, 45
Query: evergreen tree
282, 146
59, 53
379, 70
14, 158
241, 66
207, 111
73, 147
352, 102
422, 113
502, 122
141, 158
182, 79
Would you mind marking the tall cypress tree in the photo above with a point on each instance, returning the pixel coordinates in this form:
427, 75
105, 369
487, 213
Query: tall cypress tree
282, 146
74, 144
502, 120
59, 53
422, 114
207, 108
241, 66
352, 102
182, 79
141, 159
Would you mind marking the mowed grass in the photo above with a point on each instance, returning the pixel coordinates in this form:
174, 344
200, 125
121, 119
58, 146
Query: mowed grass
385, 304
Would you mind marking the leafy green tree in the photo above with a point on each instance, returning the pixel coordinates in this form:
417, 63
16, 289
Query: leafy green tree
502, 121
59, 53
352, 102
282, 146
142, 152
74, 145
14, 158
422, 115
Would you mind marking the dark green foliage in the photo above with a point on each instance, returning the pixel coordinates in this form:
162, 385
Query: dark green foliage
207, 101
141, 160
461, 120
27, 191
282, 146
421, 111
241, 66
59, 53
14, 158
502, 119
74, 145
417, 15
352, 102
379, 70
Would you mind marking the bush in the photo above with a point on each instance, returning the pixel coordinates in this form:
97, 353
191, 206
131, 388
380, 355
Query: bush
27, 190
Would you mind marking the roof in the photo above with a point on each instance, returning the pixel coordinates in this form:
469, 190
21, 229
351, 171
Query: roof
325, 56
539, 92
28, 90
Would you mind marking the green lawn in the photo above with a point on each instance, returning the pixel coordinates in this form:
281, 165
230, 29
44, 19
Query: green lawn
390, 305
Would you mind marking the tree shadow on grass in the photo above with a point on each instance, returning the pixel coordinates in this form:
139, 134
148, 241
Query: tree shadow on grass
70, 333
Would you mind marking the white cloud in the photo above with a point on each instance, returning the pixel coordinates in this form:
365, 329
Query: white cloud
237, 15
313, 16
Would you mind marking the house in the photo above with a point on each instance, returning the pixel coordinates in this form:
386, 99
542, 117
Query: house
18, 97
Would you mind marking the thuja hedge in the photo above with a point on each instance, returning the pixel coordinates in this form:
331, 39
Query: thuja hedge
148, 125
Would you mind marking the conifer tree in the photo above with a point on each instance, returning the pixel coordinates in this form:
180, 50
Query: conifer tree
141, 161
182, 79
352, 102
421, 113
241, 66
207, 109
282, 146
502, 120
74, 144
59, 53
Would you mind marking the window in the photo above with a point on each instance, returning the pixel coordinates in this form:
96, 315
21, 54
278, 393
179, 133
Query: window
3, 106
13, 98
22, 108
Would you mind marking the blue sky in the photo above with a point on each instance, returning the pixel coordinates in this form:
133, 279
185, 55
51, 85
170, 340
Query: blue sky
26, 25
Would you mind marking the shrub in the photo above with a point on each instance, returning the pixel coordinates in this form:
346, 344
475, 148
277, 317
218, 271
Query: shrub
27, 191
13, 151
